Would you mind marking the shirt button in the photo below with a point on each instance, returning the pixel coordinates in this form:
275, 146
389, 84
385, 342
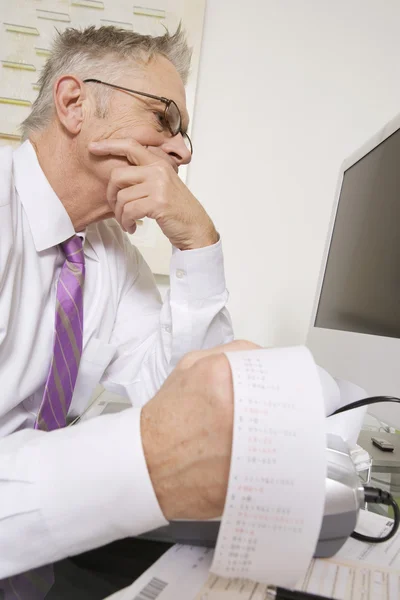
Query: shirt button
180, 273
167, 328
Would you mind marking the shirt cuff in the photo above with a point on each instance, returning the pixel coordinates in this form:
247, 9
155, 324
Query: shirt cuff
94, 483
199, 272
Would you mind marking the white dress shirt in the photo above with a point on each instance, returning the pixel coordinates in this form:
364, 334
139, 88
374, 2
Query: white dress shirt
70, 490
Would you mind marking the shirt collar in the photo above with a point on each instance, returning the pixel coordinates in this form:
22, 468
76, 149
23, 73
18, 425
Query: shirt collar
48, 220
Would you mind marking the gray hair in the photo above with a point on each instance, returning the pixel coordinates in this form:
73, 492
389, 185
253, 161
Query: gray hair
102, 53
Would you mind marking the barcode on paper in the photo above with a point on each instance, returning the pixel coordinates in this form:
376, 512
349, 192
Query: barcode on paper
152, 590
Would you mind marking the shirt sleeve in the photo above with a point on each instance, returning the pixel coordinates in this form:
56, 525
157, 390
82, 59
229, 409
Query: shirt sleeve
152, 336
71, 490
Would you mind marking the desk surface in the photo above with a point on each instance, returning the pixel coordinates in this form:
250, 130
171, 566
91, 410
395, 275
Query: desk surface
389, 461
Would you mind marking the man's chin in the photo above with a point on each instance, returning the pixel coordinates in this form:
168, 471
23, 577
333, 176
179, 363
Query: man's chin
104, 217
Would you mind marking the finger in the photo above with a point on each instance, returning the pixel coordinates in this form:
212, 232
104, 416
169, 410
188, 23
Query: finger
120, 178
136, 153
132, 212
131, 229
129, 194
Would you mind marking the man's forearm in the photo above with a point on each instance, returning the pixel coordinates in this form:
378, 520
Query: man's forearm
72, 490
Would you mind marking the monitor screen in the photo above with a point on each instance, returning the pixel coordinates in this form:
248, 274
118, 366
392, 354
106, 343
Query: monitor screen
361, 285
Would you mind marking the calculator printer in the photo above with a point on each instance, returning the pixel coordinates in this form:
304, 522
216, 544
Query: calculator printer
344, 496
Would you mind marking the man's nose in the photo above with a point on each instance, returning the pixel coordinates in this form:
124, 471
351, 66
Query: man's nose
177, 149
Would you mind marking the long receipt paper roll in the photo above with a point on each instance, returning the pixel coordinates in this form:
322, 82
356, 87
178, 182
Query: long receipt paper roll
276, 492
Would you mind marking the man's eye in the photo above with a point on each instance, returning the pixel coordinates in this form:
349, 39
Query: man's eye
161, 120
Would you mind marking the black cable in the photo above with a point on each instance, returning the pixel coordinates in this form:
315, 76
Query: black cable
365, 402
377, 496
372, 494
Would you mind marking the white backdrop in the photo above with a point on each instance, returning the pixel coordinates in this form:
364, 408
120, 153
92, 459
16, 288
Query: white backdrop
287, 89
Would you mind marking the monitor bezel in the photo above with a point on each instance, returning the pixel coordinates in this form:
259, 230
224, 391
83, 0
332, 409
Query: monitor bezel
389, 129
369, 361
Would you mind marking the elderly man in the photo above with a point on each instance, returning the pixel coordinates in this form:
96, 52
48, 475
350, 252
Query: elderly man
78, 305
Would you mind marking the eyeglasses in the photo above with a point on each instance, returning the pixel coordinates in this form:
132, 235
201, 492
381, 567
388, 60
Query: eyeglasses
172, 115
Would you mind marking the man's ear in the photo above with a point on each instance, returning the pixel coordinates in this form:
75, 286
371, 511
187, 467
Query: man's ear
69, 94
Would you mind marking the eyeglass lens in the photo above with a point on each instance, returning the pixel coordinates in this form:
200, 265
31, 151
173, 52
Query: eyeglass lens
173, 117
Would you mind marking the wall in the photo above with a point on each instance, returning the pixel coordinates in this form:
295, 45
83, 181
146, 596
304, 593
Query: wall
286, 91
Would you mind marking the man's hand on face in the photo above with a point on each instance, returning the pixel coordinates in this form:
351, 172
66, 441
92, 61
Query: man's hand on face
187, 434
150, 187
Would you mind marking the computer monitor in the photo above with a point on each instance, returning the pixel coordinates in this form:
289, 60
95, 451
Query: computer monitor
355, 329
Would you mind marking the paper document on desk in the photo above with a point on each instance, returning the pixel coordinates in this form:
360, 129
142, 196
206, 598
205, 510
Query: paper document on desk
357, 572
360, 570
386, 555
178, 575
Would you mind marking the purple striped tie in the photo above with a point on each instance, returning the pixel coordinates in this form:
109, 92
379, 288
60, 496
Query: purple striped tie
67, 351
68, 333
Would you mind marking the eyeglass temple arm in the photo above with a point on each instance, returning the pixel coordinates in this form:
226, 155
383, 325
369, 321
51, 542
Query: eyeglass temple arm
119, 87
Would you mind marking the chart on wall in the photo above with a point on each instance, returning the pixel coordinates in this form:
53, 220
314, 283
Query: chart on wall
27, 30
